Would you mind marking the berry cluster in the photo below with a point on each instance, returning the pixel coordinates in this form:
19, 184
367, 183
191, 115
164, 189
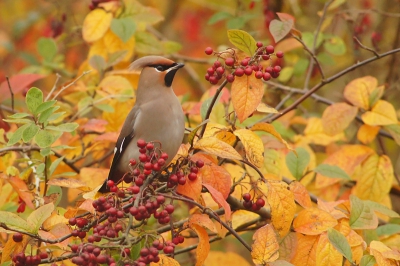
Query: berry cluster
20, 259
250, 205
179, 177
91, 255
245, 67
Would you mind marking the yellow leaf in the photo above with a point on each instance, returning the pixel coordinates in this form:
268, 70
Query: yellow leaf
93, 177
219, 258
305, 254
265, 246
383, 254
11, 248
241, 217
217, 147
287, 246
314, 133
327, 253
247, 92
382, 114
263, 108
300, 194
115, 85
313, 221
253, 146
220, 132
38, 216
271, 130
283, 207
95, 25
337, 118
204, 246
165, 261
375, 179
366, 133
98, 48
117, 118
358, 91
114, 44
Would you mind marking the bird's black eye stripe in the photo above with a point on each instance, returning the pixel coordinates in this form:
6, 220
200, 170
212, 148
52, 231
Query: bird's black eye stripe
162, 68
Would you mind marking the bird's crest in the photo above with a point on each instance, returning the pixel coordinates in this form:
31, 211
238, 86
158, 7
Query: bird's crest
149, 61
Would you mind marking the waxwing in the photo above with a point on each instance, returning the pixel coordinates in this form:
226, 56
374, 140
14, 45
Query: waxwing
156, 116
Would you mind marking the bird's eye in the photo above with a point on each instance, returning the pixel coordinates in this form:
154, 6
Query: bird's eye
160, 68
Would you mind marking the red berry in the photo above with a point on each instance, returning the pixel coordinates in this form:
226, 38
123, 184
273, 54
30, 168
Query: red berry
160, 199
279, 54
269, 69
182, 181
72, 221
132, 162
239, 72
258, 74
192, 176
175, 240
275, 74
142, 150
277, 69
173, 178
143, 158
161, 162
244, 62
208, 51
269, 49
220, 71
141, 143
194, 169
255, 207
148, 166
266, 76
213, 80
17, 237
135, 189
210, 71
113, 189
150, 146
246, 197
169, 208
133, 210
164, 156
199, 163
207, 77
110, 183
230, 78
248, 71
265, 56
82, 234
43, 255
102, 259
217, 64
168, 250
259, 44
144, 252
139, 181
81, 222
229, 61
260, 202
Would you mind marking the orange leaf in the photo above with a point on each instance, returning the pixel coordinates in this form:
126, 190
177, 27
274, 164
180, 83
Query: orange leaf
300, 194
287, 246
283, 207
313, 221
191, 189
11, 247
165, 261
253, 146
217, 147
96, 24
329, 207
22, 190
382, 114
69, 183
58, 231
327, 253
93, 177
219, 198
202, 220
265, 246
271, 130
358, 91
247, 92
218, 258
366, 133
337, 117
203, 247
306, 250
375, 178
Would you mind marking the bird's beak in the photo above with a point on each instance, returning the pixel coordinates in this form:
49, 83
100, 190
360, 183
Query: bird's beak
176, 67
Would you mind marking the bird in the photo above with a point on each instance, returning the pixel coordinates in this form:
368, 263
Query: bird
156, 116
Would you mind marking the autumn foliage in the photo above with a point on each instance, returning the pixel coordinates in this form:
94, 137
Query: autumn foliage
290, 156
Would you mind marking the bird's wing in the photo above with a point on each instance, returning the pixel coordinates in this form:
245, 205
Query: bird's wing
125, 137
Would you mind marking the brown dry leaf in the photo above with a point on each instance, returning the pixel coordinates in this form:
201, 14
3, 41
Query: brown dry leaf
337, 117
95, 25
203, 247
305, 254
327, 254
217, 147
218, 258
271, 130
358, 91
283, 207
382, 114
247, 92
253, 146
265, 246
313, 221
375, 178
300, 194
165, 261
263, 108
69, 183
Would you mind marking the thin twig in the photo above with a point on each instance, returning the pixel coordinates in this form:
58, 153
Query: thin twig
72, 83
365, 47
58, 76
12, 94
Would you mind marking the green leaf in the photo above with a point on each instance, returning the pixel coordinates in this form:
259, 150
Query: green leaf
367, 260
325, 59
394, 130
361, 215
34, 97
297, 164
40, 169
44, 106
340, 242
206, 104
105, 107
115, 58
193, 133
375, 95
381, 209
55, 190
18, 121
98, 63
46, 152
146, 43
54, 165
45, 115
388, 229
332, 171
18, 115
17, 135
300, 67
30, 132
38, 216
44, 138
47, 48
279, 29
14, 222
55, 116
236, 23
171, 47
66, 127
218, 17
335, 45
308, 39
124, 28
285, 74
243, 41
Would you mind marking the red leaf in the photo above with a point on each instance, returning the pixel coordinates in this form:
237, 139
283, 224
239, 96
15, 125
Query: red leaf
219, 198
18, 83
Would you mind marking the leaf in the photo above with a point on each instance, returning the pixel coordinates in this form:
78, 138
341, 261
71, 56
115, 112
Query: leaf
45, 115
243, 41
279, 29
394, 130
34, 97
98, 63
18, 115
337, 117
203, 248
206, 104
376, 95
388, 229
44, 106
339, 241
219, 198
332, 171
297, 163
313, 221
18, 83
375, 206
17, 135
54, 165
38, 216
217, 147
30, 132
283, 207
263, 108
22, 190
375, 178
358, 91
165, 261
193, 133
366, 133
253, 146
96, 24
335, 45
191, 189
300, 194
382, 114
383, 254
14, 222
265, 246
124, 27
247, 92
66, 127
361, 215
327, 254
202, 220
69, 183
44, 138
218, 17
216, 258
146, 43
47, 48
271, 130
367, 260
306, 248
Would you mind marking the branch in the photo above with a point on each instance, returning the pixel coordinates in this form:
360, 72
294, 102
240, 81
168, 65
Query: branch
365, 47
12, 94
72, 83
